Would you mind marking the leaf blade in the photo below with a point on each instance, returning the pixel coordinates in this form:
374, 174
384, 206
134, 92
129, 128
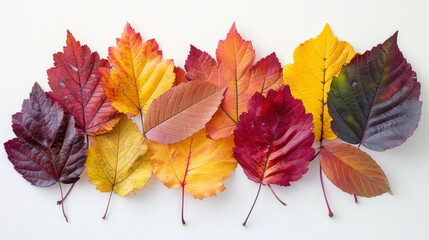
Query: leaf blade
375, 99
353, 170
182, 111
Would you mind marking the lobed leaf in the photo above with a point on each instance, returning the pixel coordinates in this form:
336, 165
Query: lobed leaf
75, 81
375, 99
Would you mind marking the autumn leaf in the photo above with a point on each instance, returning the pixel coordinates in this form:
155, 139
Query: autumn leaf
316, 62
180, 76
197, 165
353, 170
138, 73
119, 161
75, 81
182, 111
235, 68
375, 100
273, 140
47, 149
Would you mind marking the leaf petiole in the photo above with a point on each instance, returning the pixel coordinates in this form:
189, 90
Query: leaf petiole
330, 213
275, 195
253, 205
108, 204
62, 205
68, 192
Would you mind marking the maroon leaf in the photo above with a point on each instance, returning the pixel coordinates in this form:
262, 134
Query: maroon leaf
76, 85
48, 149
273, 141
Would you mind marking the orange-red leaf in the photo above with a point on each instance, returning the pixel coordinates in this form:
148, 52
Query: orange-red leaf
353, 170
235, 68
182, 111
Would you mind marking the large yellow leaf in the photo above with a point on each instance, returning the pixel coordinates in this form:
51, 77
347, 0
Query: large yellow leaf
316, 62
119, 161
138, 73
197, 165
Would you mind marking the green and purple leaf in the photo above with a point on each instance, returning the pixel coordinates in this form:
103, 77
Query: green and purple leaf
273, 140
374, 101
47, 149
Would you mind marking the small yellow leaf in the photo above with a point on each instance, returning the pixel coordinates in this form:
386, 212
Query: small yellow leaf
119, 161
197, 164
316, 62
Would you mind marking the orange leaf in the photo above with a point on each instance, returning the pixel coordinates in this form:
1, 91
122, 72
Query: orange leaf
139, 74
353, 170
235, 68
182, 111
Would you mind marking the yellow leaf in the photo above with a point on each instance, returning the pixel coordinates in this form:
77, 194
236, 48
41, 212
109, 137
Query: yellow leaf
316, 62
119, 161
197, 165
138, 73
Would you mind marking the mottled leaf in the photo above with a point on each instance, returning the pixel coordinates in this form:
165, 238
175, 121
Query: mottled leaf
119, 161
375, 99
273, 140
235, 68
76, 85
353, 170
316, 62
182, 111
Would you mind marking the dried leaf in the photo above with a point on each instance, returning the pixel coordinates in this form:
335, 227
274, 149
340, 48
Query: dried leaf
119, 161
48, 148
197, 165
235, 68
375, 99
316, 62
182, 111
76, 85
352, 170
273, 141
139, 74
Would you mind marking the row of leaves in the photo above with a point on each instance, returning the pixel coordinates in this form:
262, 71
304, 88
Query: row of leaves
198, 122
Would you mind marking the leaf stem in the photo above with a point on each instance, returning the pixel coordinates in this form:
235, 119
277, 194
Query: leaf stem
87, 141
356, 199
108, 204
141, 121
330, 213
62, 205
183, 204
275, 195
68, 192
253, 205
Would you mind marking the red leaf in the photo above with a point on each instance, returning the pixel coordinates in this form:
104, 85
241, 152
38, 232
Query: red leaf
48, 149
273, 141
76, 85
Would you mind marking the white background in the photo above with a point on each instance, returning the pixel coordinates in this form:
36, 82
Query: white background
31, 31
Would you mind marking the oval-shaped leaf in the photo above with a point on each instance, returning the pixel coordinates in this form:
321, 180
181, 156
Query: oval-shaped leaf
75, 81
273, 140
182, 111
375, 99
353, 170
316, 62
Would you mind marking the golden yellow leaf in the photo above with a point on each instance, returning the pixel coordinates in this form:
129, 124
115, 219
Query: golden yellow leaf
138, 73
119, 161
197, 165
316, 62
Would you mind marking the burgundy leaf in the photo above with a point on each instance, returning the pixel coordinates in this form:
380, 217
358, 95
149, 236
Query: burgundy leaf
48, 149
273, 141
76, 85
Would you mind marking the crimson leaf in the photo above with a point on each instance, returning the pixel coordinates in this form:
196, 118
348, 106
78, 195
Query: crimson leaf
273, 140
48, 149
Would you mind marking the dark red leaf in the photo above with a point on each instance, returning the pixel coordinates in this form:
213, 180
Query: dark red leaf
48, 148
76, 85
